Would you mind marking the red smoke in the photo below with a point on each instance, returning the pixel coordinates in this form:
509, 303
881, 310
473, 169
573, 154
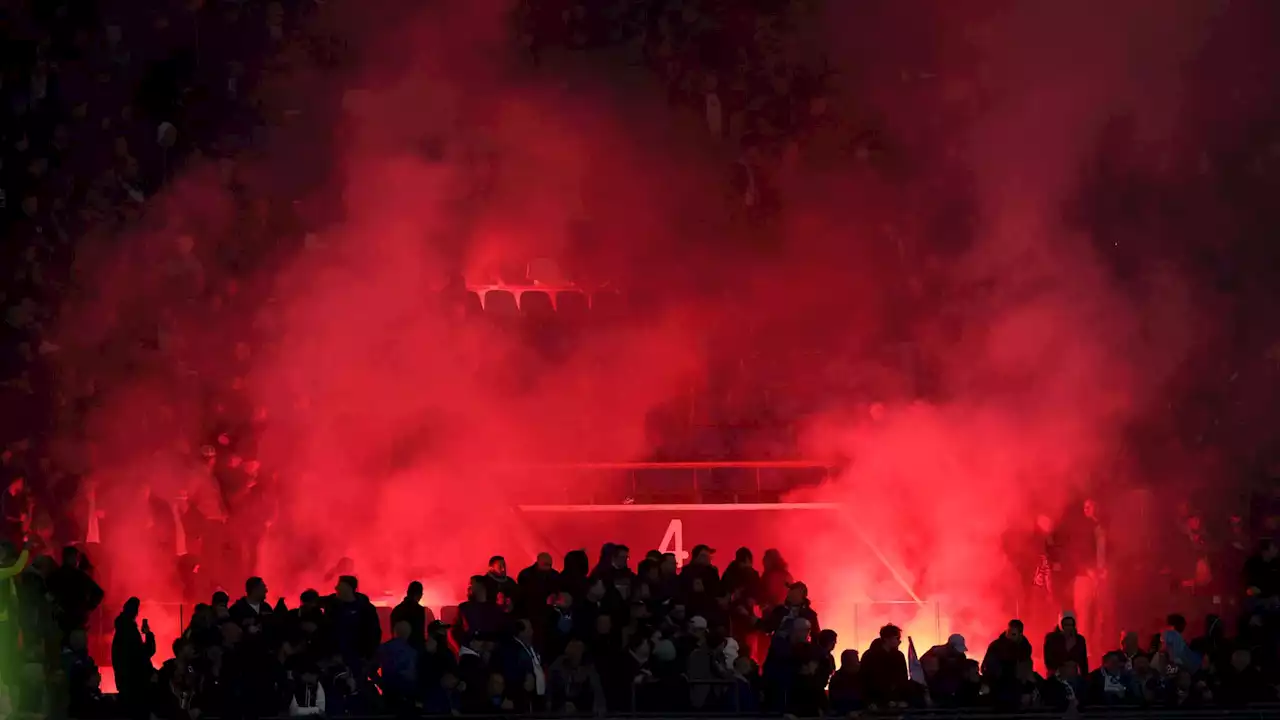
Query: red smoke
381, 417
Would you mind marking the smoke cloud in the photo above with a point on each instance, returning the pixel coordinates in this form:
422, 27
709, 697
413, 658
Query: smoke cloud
380, 419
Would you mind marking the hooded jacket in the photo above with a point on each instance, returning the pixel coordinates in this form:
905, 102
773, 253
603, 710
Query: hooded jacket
1056, 651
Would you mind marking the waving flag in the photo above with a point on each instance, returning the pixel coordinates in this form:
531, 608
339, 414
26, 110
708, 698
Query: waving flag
915, 670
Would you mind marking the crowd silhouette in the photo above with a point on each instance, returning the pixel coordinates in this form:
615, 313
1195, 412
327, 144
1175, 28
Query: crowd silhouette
608, 638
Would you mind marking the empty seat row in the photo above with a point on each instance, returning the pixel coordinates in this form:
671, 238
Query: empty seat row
563, 304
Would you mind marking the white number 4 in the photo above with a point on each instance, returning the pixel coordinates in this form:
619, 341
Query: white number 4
673, 542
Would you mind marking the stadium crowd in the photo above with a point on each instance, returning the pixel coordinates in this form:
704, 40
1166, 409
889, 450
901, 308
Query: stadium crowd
609, 638
104, 102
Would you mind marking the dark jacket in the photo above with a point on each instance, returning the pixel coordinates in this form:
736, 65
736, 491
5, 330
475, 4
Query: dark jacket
785, 614
131, 653
474, 617
884, 673
244, 614
77, 595
502, 589
416, 615
1096, 690
740, 577
845, 691
1000, 664
535, 586
1056, 652
947, 680
357, 633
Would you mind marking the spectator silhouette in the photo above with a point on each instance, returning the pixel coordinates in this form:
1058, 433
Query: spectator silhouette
411, 611
132, 648
1000, 664
1066, 643
75, 592
884, 669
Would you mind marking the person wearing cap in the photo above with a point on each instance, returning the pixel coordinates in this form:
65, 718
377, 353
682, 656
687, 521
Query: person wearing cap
945, 668
795, 606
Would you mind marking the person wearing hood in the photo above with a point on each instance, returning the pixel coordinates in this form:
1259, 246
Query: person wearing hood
131, 651
1066, 643
795, 605
307, 695
949, 664
884, 670
1000, 664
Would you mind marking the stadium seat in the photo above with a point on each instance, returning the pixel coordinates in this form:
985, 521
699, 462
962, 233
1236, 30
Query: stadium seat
536, 305
501, 304
449, 614
572, 307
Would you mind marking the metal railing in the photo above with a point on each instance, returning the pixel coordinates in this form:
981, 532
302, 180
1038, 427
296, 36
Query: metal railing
698, 482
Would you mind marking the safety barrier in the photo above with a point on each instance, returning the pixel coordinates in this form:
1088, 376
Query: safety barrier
611, 483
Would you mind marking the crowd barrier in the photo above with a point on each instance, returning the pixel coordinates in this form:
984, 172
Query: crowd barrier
712, 482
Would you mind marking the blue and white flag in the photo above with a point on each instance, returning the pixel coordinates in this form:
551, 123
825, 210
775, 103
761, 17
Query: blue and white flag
915, 670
